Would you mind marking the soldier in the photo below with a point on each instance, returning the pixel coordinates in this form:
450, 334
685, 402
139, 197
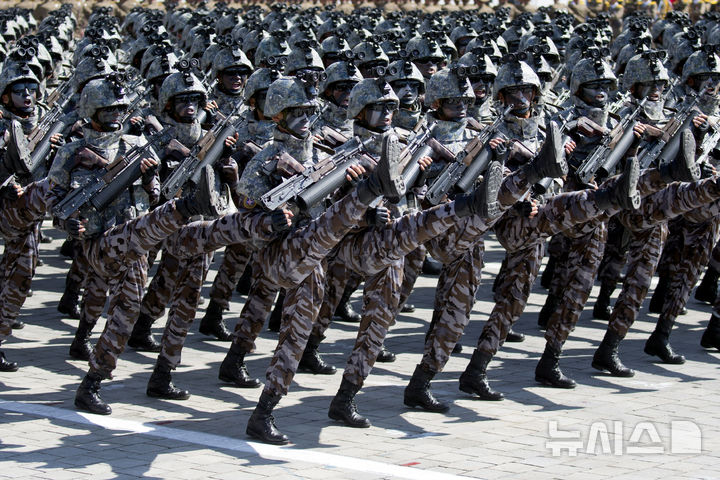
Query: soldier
231, 68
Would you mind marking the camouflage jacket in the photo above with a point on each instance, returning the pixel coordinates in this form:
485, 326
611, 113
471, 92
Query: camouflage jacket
526, 131
585, 144
334, 117
408, 119
67, 174
226, 102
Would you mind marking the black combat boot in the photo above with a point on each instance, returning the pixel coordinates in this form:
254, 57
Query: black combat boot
141, 338
233, 369
5, 365
602, 310
17, 324
707, 290
385, 355
204, 200
547, 275
515, 337
659, 295
548, 370
711, 336
483, 200
88, 398
683, 168
213, 324
474, 378
160, 384
69, 304
245, 282
551, 304
80, 348
343, 408
550, 160
606, 357
407, 308
659, 342
623, 192
311, 361
386, 179
275, 318
344, 311
262, 424
418, 393
431, 266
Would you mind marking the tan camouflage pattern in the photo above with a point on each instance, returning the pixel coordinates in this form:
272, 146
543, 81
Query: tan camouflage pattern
259, 303
233, 265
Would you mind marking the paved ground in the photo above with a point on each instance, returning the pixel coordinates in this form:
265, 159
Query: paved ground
663, 423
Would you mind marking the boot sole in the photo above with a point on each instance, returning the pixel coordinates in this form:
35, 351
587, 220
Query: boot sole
550, 383
251, 434
225, 379
412, 404
166, 397
654, 353
689, 170
602, 368
472, 391
84, 407
338, 418
316, 372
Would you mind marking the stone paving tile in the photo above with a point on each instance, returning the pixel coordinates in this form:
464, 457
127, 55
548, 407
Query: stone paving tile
475, 439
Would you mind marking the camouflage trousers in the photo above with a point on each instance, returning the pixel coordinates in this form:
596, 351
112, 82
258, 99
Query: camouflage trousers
573, 279
648, 227
119, 257
714, 261
694, 246
295, 262
523, 238
18, 225
258, 305
235, 260
78, 271
411, 270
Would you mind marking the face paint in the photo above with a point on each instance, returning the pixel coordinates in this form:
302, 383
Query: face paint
454, 109
429, 66
651, 90
341, 93
186, 107
407, 90
520, 98
595, 94
110, 118
297, 120
708, 83
23, 96
233, 80
481, 87
379, 115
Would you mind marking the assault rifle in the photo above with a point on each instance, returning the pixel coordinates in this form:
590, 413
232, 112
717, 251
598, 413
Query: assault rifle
317, 181
122, 173
467, 165
49, 125
418, 146
667, 146
601, 162
206, 151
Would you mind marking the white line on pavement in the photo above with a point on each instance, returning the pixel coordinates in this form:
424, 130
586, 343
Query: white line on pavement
227, 443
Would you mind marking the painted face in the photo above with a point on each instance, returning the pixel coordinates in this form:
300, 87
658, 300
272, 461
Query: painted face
597, 93
186, 107
340, 92
407, 91
297, 120
429, 65
481, 86
23, 96
379, 115
707, 82
520, 98
454, 109
110, 118
233, 79
651, 90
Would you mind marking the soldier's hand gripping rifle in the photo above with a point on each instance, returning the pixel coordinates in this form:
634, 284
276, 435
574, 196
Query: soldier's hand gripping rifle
317, 181
122, 173
467, 165
206, 151
665, 148
418, 146
601, 162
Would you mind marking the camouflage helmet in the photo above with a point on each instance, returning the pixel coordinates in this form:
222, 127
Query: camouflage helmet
180, 82
513, 73
88, 69
702, 61
162, 66
328, 28
487, 46
367, 91
645, 67
405, 70
367, 52
230, 57
332, 46
288, 92
270, 46
16, 72
340, 72
590, 70
682, 46
452, 82
303, 57
102, 93
419, 47
259, 80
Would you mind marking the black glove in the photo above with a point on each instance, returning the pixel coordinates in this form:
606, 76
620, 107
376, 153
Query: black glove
279, 221
229, 172
9, 192
149, 174
377, 216
706, 170
524, 208
75, 228
137, 128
